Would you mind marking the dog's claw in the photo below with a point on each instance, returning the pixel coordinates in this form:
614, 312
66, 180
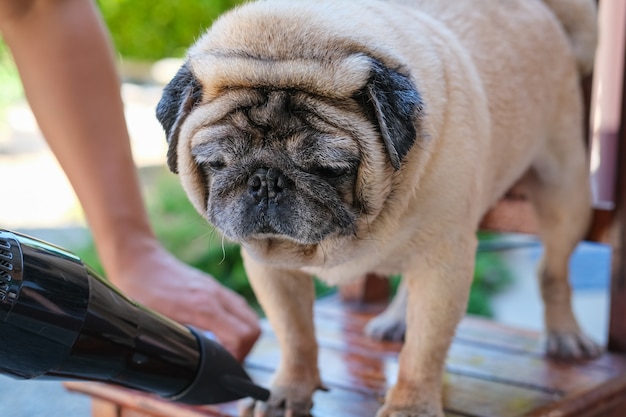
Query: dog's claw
571, 346
281, 403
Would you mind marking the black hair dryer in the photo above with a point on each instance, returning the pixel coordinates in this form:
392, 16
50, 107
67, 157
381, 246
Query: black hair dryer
59, 319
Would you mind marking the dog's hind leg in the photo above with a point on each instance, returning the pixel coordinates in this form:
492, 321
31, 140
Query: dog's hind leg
558, 188
391, 323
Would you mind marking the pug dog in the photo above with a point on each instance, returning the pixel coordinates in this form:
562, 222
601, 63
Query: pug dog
339, 138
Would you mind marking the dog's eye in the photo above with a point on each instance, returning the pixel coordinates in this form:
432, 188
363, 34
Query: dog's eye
331, 172
217, 165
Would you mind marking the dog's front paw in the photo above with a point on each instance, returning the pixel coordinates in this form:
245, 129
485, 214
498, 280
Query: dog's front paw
571, 346
284, 401
416, 411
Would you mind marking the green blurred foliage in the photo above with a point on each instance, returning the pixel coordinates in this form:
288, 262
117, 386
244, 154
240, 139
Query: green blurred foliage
155, 29
491, 276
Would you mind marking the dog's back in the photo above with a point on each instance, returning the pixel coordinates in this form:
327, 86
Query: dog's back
529, 56
576, 17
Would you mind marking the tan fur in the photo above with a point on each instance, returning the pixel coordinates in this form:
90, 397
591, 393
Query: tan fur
500, 85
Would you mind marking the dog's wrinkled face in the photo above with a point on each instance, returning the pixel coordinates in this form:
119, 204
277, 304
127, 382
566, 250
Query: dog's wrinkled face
288, 164
272, 170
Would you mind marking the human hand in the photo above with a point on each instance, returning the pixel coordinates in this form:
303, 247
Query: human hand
161, 282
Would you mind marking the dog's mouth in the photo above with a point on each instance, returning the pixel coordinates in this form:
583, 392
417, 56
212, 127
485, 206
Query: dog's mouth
269, 232
288, 225
294, 217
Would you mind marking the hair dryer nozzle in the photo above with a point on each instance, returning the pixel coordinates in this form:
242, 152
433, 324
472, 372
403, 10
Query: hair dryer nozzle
219, 375
58, 319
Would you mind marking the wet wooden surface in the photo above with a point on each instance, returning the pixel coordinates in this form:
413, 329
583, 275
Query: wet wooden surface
492, 371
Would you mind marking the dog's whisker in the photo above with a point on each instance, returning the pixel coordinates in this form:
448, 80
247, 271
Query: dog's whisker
223, 250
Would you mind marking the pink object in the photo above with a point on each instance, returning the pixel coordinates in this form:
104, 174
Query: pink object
606, 110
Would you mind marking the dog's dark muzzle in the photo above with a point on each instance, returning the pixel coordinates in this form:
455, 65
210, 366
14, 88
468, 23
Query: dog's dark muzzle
272, 203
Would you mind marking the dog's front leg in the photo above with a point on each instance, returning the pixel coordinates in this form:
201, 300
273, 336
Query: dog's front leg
438, 293
287, 298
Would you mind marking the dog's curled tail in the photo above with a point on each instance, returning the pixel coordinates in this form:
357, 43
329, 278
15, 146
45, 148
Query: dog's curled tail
580, 21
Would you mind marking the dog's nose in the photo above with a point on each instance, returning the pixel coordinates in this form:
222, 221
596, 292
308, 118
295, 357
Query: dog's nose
266, 184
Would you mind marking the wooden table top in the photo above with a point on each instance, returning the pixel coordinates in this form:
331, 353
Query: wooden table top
492, 371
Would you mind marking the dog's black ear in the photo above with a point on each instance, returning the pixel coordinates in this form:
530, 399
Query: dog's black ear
182, 93
396, 106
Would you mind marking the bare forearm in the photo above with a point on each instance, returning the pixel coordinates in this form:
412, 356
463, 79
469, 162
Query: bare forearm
66, 63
